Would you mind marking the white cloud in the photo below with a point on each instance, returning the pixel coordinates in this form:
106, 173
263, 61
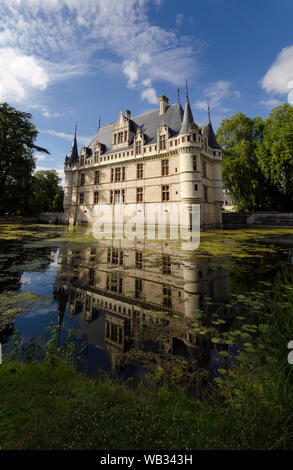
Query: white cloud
45, 111
277, 78
20, 74
214, 95
40, 157
62, 135
150, 95
58, 39
271, 102
179, 19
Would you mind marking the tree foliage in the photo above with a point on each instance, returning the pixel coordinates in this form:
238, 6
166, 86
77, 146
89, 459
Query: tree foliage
258, 160
275, 154
17, 144
47, 193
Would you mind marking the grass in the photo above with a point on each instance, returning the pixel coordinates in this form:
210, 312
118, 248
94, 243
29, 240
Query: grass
53, 407
48, 405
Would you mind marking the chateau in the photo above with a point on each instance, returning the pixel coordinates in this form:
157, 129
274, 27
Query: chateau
120, 314
158, 157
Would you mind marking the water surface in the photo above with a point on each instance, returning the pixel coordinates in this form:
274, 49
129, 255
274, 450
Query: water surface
134, 306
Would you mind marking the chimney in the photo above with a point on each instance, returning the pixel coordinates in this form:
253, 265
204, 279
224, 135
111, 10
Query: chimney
163, 104
127, 113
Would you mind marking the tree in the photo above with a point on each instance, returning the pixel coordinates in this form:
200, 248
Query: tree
47, 192
275, 154
17, 144
248, 185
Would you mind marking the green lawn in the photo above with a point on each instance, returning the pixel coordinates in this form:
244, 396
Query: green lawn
45, 407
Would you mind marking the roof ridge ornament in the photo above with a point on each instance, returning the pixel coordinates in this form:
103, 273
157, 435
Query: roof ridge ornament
187, 97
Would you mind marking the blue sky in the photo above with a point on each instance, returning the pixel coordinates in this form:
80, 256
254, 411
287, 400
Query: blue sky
76, 60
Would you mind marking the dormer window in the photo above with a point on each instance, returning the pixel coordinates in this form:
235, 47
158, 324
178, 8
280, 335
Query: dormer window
162, 142
138, 147
121, 131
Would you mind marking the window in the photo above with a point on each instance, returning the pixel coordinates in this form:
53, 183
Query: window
96, 157
138, 288
115, 256
166, 264
204, 169
81, 161
139, 194
162, 142
93, 254
139, 171
81, 198
91, 276
97, 177
119, 139
117, 174
116, 196
138, 259
96, 197
205, 193
195, 187
114, 284
165, 167
138, 147
165, 193
82, 179
194, 164
167, 296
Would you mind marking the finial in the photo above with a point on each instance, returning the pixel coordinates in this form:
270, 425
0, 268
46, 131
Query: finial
187, 99
99, 123
178, 96
209, 113
75, 129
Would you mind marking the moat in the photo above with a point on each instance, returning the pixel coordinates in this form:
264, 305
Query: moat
137, 310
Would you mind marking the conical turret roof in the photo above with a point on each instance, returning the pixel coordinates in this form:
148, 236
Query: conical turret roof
212, 141
187, 117
73, 156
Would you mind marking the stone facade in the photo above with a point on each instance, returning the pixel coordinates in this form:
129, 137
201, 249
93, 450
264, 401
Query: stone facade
162, 292
157, 157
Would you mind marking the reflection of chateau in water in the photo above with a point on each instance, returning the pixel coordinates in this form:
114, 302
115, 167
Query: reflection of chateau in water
130, 295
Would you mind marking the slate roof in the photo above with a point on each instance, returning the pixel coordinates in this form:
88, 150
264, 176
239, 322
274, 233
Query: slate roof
212, 141
73, 156
149, 123
187, 118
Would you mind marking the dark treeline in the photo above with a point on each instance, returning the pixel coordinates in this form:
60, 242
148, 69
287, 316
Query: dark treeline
258, 160
24, 191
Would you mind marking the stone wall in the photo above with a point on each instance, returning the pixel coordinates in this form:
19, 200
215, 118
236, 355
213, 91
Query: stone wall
257, 219
52, 218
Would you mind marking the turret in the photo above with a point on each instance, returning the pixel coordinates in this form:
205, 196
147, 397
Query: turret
212, 141
73, 156
187, 117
